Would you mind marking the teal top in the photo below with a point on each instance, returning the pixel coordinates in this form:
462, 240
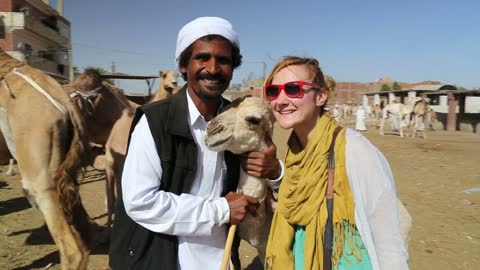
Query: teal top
347, 260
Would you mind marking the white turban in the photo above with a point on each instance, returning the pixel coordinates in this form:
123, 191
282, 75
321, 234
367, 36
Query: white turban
201, 27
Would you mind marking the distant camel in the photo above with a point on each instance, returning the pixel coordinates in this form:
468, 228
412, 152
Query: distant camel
420, 115
400, 115
336, 112
377, 112
168, 83
116, 146
48, 141
347, 111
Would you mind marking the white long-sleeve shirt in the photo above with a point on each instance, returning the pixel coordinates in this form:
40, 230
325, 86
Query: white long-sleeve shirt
376, 211
198, 218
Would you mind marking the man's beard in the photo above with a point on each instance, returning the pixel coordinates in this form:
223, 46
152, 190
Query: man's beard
215, 91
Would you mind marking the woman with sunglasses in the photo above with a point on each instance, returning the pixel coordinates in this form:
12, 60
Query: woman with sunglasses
343, 208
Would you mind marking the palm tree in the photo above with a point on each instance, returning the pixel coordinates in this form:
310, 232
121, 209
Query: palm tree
100, 71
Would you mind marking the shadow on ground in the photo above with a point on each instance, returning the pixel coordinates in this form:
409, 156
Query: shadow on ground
13, 205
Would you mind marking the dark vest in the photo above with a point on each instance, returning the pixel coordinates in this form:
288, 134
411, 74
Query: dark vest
135, 247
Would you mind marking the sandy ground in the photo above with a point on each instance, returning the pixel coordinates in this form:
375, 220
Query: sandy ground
433, 177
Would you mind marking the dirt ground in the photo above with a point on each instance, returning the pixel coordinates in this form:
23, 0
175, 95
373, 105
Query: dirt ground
436, 180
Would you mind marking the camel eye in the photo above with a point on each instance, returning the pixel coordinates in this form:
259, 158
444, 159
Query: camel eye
253, 120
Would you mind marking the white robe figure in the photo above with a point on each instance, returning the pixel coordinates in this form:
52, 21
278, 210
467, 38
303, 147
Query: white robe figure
360, 119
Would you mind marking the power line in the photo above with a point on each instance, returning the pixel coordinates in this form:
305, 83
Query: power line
109, 49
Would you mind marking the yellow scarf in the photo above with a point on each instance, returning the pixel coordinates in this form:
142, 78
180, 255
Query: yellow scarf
302, 200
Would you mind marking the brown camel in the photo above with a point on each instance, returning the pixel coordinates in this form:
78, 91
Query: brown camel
116, 146
105, 109
168, 83
115, 151
101, 104
48, 142
420, 113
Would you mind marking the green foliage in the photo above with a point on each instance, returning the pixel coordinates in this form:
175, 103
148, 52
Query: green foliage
386, 88
98, 69
396, 86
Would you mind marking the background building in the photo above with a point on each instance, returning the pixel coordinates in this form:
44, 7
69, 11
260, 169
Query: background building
34, 32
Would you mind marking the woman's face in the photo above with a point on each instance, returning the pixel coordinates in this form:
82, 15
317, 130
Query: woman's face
302, 113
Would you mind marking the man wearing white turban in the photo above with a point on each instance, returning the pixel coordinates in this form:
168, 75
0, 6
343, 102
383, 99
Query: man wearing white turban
172, 214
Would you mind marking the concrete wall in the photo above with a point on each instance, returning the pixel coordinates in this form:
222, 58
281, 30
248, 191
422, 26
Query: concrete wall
472, 105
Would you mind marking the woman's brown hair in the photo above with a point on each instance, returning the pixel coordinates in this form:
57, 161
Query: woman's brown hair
311, 64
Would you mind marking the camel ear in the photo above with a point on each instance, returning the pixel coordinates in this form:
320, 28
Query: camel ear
162, 74
269, 117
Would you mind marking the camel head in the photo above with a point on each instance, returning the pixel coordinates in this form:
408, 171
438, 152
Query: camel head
421, 106
100, 103
169, 80
87, 81
241, 127
84, 90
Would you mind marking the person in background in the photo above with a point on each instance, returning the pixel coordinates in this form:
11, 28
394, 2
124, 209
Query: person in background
360, 115
177, 195
360, 229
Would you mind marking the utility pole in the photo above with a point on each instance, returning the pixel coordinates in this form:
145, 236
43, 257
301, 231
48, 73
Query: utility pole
264, 71
264, 68
71, 73
113, 72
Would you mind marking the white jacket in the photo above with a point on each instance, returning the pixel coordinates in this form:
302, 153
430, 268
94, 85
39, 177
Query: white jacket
376, 210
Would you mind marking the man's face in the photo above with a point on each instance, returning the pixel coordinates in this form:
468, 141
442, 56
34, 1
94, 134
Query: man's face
209, 69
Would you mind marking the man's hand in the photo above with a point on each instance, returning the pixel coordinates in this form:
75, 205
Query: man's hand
240, 205
262, 164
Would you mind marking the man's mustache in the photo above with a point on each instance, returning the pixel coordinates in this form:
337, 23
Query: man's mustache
206, 76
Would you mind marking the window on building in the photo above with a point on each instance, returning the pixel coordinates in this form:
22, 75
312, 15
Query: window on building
51, 21
48, 54
434, 100
61, 69
27, 48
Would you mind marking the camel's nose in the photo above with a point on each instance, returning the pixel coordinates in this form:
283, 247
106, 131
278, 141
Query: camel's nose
214, 127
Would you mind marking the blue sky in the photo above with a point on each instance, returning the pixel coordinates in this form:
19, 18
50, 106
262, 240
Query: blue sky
409, 41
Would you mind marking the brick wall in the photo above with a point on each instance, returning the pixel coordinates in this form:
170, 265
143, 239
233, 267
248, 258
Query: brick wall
7, 43
5, 5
